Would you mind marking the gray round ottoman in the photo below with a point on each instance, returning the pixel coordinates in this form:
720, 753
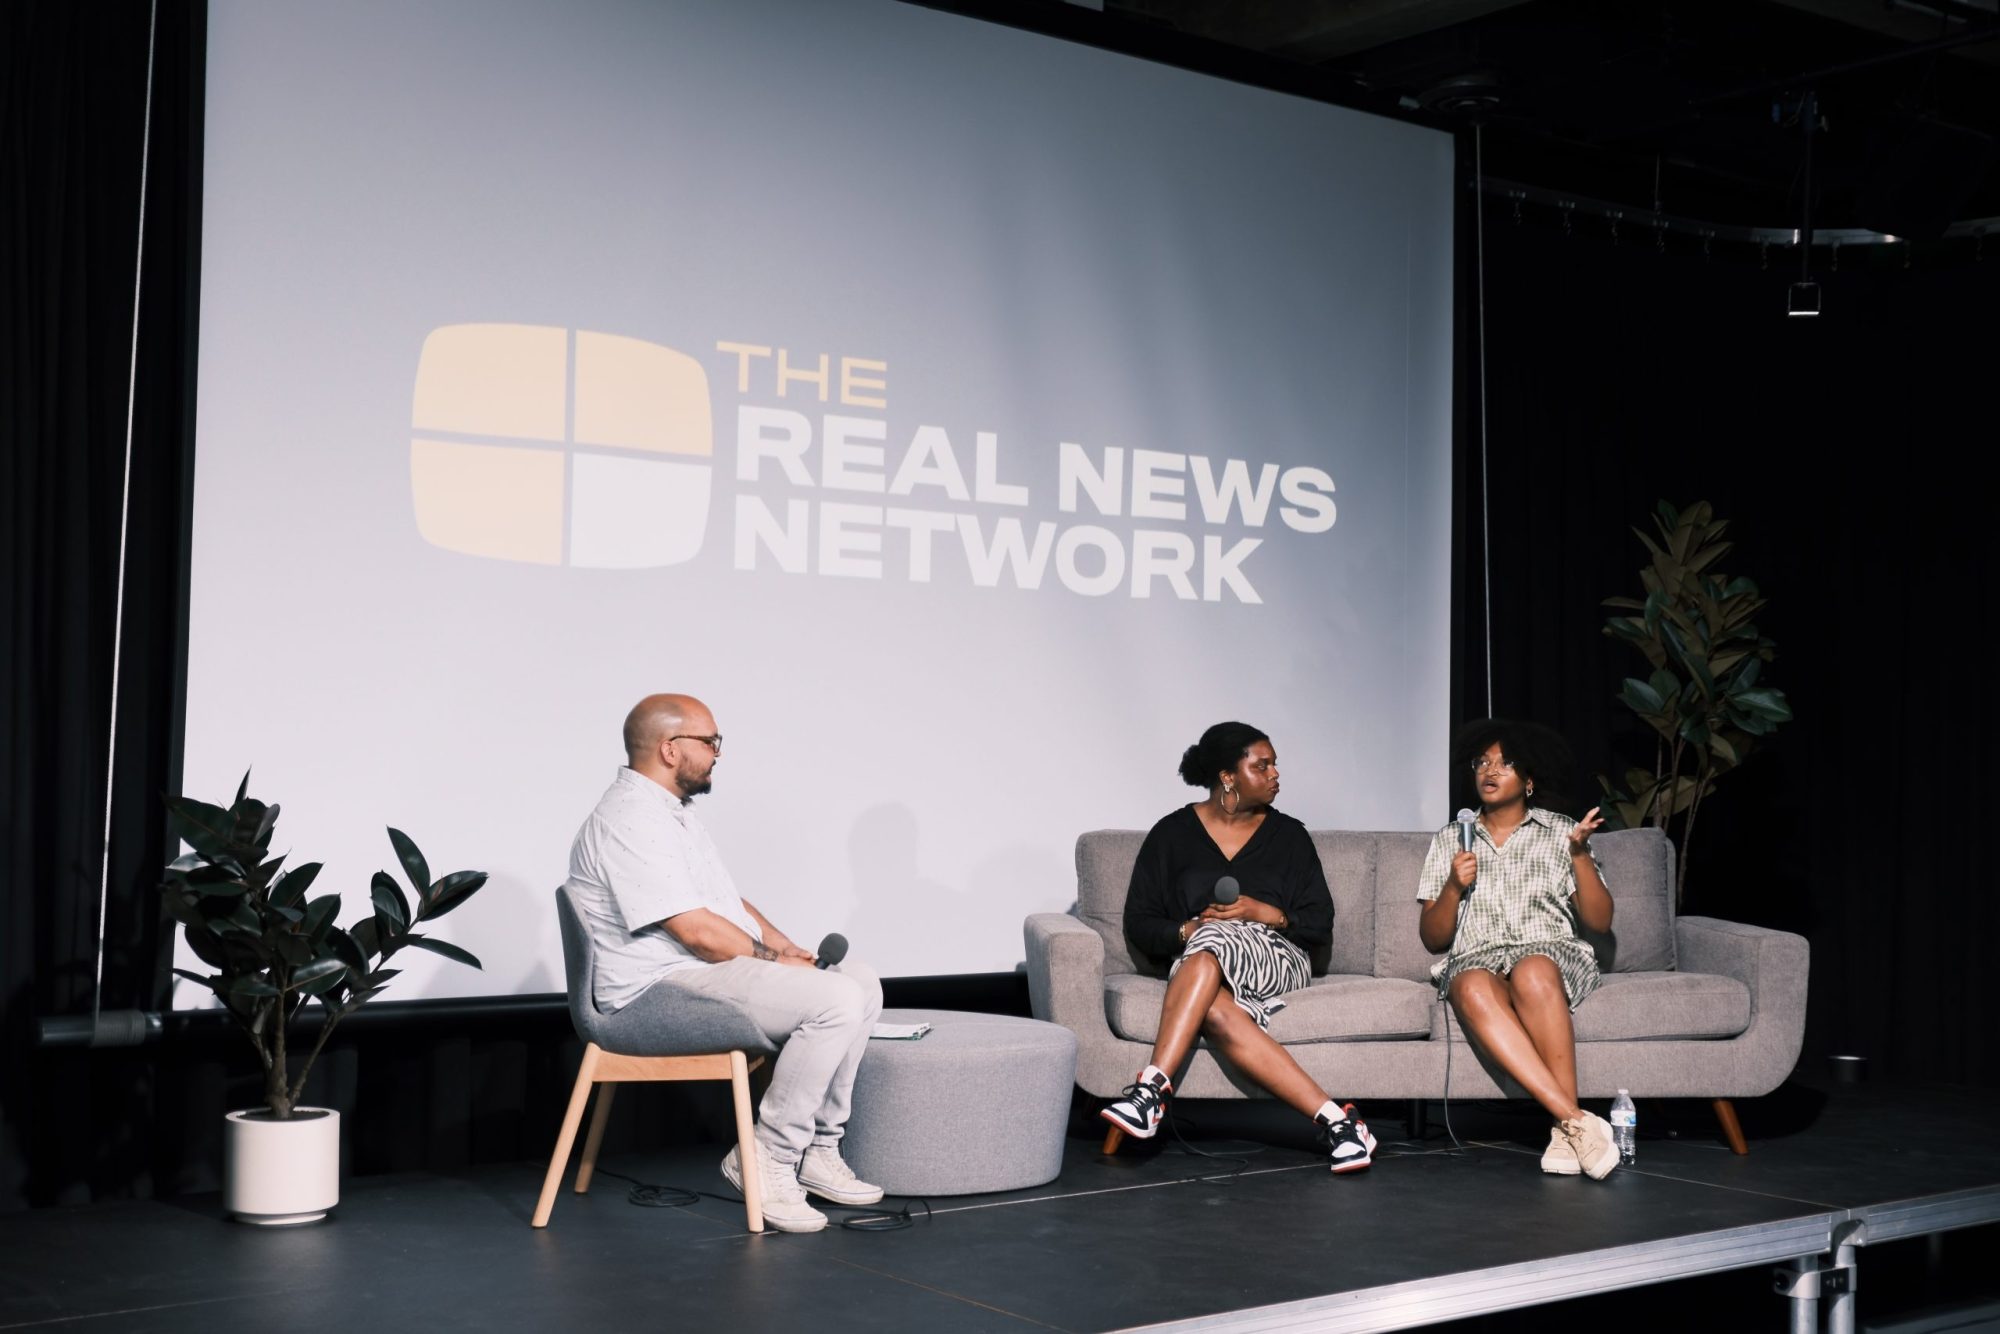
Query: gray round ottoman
978, 1103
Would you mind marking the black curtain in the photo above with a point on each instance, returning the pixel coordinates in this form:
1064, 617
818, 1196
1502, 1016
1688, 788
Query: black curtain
1849, 453
72, 118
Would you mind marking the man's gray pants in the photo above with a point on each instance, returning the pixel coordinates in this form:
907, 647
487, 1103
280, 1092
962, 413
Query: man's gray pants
822, 1018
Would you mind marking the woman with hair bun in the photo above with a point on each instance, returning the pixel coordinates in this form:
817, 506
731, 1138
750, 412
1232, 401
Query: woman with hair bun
1505, 914
1229, 964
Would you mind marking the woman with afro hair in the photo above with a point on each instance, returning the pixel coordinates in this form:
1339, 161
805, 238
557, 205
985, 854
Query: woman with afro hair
1505, 916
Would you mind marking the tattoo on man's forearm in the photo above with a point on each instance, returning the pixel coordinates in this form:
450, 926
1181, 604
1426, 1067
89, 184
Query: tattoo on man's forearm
760, 950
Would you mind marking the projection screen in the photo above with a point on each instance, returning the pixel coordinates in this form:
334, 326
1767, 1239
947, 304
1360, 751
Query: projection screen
969, 417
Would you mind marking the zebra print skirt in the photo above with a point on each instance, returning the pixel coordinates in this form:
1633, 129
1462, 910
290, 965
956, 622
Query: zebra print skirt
1258, 964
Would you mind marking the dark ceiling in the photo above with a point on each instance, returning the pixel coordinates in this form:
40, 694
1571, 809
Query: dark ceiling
1695, 106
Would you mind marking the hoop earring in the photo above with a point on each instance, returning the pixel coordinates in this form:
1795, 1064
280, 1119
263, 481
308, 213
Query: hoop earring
1531, 789
1223, 801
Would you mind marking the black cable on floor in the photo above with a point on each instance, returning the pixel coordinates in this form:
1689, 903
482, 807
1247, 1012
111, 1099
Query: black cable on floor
1456, 1147
1173, 1118
655, 1197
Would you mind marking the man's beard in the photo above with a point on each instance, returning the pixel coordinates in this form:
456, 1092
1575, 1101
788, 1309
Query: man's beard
694, 787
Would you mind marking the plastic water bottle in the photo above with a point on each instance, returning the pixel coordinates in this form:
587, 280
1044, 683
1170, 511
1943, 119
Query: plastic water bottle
1625, 1127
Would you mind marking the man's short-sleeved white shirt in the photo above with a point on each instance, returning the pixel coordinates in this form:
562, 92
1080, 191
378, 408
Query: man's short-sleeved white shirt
641, 858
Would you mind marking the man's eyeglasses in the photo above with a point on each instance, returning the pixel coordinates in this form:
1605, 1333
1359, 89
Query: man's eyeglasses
1482, 764
714, 743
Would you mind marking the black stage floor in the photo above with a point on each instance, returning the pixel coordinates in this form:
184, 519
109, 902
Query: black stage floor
1261, 1237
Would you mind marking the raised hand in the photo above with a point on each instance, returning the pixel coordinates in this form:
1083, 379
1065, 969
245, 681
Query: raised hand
1579, 837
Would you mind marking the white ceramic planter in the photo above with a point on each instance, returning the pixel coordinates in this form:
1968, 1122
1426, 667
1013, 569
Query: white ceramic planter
279, 1172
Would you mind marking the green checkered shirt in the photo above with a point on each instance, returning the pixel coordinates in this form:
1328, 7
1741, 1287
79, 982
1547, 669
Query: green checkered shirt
1519, 905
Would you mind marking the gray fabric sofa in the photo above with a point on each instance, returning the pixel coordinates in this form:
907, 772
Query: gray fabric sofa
1689, 1008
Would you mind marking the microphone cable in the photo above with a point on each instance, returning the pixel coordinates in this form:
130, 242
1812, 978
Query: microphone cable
1239, 1158
1456, 1147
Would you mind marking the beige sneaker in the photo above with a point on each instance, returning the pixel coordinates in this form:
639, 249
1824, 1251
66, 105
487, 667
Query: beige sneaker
782, 1198
1559, 1158
1590, 1138
826, 1174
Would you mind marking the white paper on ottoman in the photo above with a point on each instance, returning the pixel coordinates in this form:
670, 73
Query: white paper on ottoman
977, 1104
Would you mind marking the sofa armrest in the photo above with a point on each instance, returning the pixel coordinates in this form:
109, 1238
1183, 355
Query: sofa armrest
1066, 974
1773, 965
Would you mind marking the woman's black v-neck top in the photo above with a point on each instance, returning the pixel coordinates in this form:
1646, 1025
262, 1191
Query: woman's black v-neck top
1174, 879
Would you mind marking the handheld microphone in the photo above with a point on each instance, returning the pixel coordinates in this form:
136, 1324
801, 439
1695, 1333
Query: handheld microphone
831, 950
1465, 835
1227, 890
1465, 821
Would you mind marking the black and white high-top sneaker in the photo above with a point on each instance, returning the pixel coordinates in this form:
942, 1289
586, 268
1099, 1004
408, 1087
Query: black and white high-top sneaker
1348, 1142
1138, 1111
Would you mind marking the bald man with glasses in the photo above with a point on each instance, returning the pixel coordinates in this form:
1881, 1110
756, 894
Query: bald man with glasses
667, 922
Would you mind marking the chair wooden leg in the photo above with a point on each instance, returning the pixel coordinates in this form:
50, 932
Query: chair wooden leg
1112, 1139
567, 1139
588, 1166
746, 1143
1732, 1129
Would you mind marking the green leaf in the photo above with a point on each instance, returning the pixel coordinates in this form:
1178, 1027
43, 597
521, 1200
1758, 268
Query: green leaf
205, 945
1695, 729
443, 947
242, 789
391, 908
327, 969
1641, 697
319, 913
210, 982
203, 827
449, 892
349, 950
367, 935
220, 886
248, 987
413, 863
243, 918
1767, 703
1724, 750
295, 950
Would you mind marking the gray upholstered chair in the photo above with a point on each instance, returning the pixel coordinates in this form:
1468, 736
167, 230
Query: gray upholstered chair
667, 1033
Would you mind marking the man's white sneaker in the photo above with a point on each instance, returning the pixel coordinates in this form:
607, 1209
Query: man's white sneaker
782, 1199
826, 1174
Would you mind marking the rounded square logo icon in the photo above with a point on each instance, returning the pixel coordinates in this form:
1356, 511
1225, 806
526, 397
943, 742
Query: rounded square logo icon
532, 443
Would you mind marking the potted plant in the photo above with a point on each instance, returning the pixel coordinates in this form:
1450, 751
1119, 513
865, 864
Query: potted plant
274, 949
1705, 699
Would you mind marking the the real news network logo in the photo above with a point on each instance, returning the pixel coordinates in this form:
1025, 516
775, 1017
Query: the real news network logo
556, 447
537, 444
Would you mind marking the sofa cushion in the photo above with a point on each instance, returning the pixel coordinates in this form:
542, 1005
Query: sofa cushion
1335, 1008
1399, 857
1638, 1006
1104, 861
1349, 863
1639, 868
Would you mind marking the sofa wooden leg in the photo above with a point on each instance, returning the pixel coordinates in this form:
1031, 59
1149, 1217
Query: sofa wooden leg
1732, 1129
1112, 1139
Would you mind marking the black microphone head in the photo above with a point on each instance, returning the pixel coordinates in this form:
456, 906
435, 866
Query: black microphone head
1227, 890
832, 950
